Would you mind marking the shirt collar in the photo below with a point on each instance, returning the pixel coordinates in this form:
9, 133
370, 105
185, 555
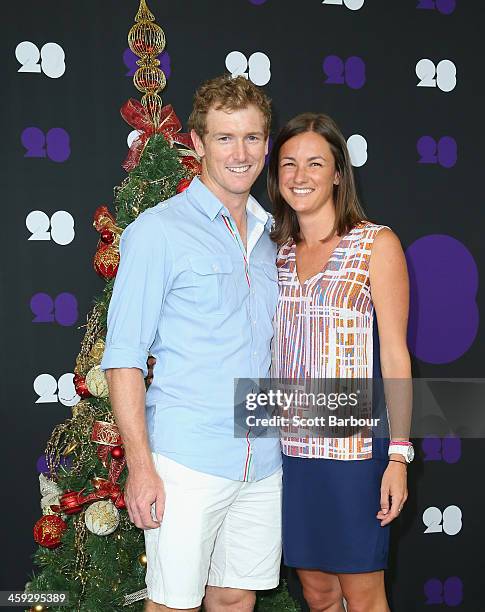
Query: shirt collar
254, 208
208, 203
203, 198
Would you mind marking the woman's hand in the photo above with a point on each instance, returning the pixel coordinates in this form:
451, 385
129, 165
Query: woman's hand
394, 491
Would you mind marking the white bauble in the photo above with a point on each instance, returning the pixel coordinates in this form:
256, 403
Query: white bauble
51, 499
102, 517
96, 382
48, 486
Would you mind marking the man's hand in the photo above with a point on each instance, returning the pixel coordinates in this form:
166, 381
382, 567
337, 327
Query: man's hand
394, 492
151, 361
144, 487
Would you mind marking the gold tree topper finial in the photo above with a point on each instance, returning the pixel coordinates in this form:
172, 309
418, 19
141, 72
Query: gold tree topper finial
147, 40
144, 13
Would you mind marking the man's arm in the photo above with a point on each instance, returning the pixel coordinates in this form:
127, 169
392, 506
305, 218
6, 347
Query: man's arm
143, 486
142, 282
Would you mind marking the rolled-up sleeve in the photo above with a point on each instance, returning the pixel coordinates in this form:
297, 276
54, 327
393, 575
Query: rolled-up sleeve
142, 282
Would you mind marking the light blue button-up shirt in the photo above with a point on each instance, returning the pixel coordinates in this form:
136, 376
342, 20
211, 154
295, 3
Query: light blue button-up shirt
182, 295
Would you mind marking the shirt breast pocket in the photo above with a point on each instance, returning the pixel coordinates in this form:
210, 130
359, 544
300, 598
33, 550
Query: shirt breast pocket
213, 284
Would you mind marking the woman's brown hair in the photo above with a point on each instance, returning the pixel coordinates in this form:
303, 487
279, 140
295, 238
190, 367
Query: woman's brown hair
349, 212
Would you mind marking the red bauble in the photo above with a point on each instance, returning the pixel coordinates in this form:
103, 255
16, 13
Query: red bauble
183, 184
48, 530
117, 452
107, 236
106, 260
81, 386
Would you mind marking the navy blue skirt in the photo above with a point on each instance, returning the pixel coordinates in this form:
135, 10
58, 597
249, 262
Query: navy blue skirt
329, 515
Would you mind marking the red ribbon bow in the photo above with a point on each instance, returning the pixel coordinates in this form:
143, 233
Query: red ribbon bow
105, 490
134, 113
72, 502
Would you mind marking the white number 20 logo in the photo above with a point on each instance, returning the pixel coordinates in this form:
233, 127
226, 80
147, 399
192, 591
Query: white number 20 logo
442, 76
59, 228
51, 58
449, 521
50, 390
259, 66
353, 5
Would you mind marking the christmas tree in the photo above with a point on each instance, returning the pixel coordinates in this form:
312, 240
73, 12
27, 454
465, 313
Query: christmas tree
88, 547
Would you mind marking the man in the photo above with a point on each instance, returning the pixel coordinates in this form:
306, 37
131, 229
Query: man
197, 289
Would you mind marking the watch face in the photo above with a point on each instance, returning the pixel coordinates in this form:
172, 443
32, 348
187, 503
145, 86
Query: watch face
410, 453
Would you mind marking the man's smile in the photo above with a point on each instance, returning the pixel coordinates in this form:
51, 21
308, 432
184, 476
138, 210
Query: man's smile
238, 169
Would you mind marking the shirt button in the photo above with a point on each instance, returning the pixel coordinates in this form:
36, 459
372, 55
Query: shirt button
255, 354
215, 267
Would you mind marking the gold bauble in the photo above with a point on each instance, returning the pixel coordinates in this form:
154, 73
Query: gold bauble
153, 103
149, 79
146, 38
142, 559
96, 382
38, 608
96, 352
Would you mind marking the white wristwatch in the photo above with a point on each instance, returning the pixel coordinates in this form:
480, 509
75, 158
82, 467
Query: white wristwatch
406, 449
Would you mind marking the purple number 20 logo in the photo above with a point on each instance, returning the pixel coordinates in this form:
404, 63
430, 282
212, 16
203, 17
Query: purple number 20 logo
449, 592
55, 144
130, 59
444, 152
350, 72
446, 7
62, 310
442, 449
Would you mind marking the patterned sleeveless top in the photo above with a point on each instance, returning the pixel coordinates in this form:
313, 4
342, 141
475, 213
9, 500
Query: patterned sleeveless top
324, 329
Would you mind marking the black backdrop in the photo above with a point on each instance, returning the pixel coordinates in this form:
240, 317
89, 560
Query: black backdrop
423, 188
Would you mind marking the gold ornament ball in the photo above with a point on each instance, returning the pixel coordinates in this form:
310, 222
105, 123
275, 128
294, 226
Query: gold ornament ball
102, 517
149, 79
153, 103
38, 608
143, 559
96, 382
146, 38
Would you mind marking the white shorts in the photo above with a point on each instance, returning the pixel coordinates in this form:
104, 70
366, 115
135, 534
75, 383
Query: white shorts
215, 531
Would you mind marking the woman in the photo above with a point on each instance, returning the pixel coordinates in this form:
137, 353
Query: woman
335, 269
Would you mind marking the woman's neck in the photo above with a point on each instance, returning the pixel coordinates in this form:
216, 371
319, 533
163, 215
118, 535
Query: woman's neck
316, 226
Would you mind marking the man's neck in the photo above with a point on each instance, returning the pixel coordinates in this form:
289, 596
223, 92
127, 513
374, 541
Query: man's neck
235, 203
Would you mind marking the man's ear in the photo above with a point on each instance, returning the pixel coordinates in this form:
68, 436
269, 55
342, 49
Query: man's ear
266, 146
198, 144
336, 180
